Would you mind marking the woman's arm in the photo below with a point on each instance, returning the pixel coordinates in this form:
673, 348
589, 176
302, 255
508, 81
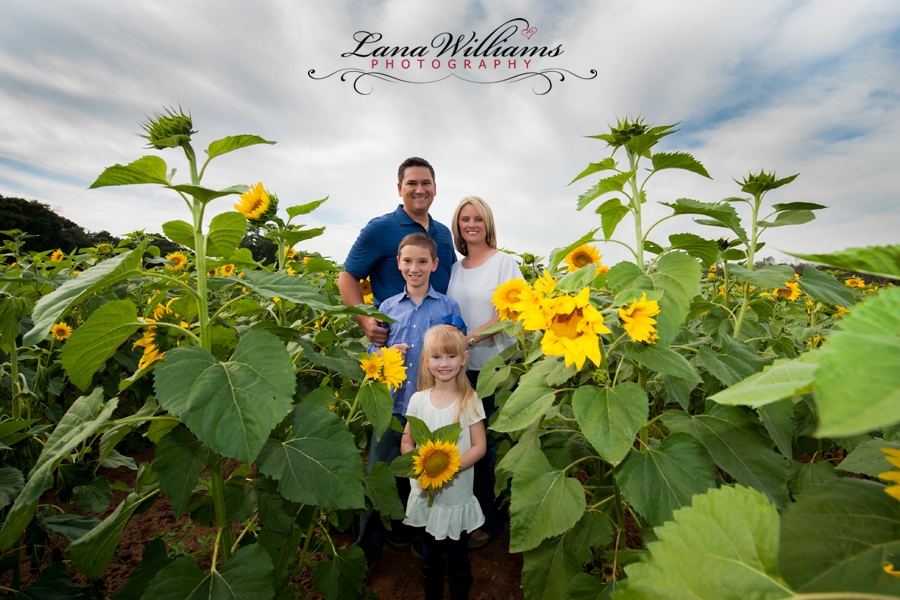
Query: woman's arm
407, 443
474, 334
479, 446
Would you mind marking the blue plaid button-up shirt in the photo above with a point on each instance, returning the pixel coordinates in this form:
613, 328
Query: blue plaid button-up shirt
411, 321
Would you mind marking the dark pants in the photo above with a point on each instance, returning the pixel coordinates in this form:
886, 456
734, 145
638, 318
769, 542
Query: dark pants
371, 532
483, 487
457, 552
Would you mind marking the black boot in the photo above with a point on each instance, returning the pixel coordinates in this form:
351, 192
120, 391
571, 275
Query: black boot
460, 583
433, 580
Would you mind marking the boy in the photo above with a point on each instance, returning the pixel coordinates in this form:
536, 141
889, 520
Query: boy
413, 311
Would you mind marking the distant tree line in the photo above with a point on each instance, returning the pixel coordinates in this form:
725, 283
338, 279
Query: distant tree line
53, 231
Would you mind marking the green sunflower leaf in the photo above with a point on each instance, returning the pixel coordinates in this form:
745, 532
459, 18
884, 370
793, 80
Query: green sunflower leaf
662, 480
604, 165
54, 305
247, 576
530, 400
545, 503
278, 284
789, 217
11, 484
230, 406
706, 250
342, 576
178, 461
549, 569
303, 209
94, 497
611, 418
723, 214
824, 287
883, 261
89, 347
783, 379
859, 382
677, 277
378, 404
662, 360
179, 232
838, 538
769, 277
319, 465
724, 546
83, 419
797, 206
381, 490
149, 169
868, 459
678, 160
733, 438
153, 559
204, 195
803, 477
92, 552
611, 214
614, 183
226, 231
233, 142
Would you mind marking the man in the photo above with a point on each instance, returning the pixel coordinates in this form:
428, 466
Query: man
374, 253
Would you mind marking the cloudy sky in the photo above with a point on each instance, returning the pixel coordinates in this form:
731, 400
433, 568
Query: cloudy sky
797, 87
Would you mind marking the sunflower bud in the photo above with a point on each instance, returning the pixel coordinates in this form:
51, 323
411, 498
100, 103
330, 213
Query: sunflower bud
168, 130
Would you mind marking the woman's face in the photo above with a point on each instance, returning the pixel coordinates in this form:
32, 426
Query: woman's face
471, 225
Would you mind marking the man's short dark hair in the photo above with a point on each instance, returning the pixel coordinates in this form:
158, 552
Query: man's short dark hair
420, 240
413, 161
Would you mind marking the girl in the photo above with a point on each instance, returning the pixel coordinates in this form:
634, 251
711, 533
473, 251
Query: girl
445, 396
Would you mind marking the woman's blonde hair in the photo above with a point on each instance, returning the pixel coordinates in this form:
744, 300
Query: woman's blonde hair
447, 339
484, 211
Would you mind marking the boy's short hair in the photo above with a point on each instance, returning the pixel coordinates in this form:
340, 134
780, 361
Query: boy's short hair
413, 161
420, 240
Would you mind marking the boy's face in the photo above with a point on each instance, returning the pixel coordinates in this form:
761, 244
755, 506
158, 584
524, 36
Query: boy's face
416, 265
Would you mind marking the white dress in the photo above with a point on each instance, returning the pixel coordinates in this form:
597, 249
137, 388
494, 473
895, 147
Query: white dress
473, 289
455, 508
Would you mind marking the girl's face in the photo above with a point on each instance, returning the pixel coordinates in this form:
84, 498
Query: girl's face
445, 367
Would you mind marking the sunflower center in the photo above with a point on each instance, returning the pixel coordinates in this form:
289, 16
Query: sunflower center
512, 296
582, 260
566, 325
436, 464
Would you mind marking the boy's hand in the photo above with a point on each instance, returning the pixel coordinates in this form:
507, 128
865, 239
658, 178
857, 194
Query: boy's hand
402, 348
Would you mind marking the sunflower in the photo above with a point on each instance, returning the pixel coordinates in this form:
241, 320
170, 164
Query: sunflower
178, 261
366, 286
371, 365
507, 294
572, 327
582, 256
436, 463
257, 205
289, 253
638, 319
369, 299
151, 345
528, 308
393, 371
104, 248
853, 282
791, 292
893, 457
212, 273
545, 284
61, 331
57, 255
227, 270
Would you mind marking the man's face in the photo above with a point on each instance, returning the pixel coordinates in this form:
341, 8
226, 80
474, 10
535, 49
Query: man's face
417, 190
416, 265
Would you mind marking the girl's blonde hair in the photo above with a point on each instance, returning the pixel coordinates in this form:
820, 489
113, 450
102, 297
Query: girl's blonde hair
484, 211
447, 339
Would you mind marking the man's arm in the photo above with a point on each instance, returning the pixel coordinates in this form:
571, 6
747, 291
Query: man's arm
351, 294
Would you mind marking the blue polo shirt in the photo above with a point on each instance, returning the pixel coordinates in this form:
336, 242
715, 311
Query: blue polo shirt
411, 321
374, 253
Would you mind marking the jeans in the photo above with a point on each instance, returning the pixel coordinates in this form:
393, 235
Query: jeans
457, 552
371, 532
483, 487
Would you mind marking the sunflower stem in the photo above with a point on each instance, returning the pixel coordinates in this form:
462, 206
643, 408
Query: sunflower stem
751, 254
218, 494
620, 513
636, 205
309, 534
16, 390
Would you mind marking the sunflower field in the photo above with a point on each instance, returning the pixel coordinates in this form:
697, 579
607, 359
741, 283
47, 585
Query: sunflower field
692, 423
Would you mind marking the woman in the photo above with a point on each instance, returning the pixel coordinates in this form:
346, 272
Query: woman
473, 281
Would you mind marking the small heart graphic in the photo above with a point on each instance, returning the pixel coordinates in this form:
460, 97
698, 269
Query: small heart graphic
529, 32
